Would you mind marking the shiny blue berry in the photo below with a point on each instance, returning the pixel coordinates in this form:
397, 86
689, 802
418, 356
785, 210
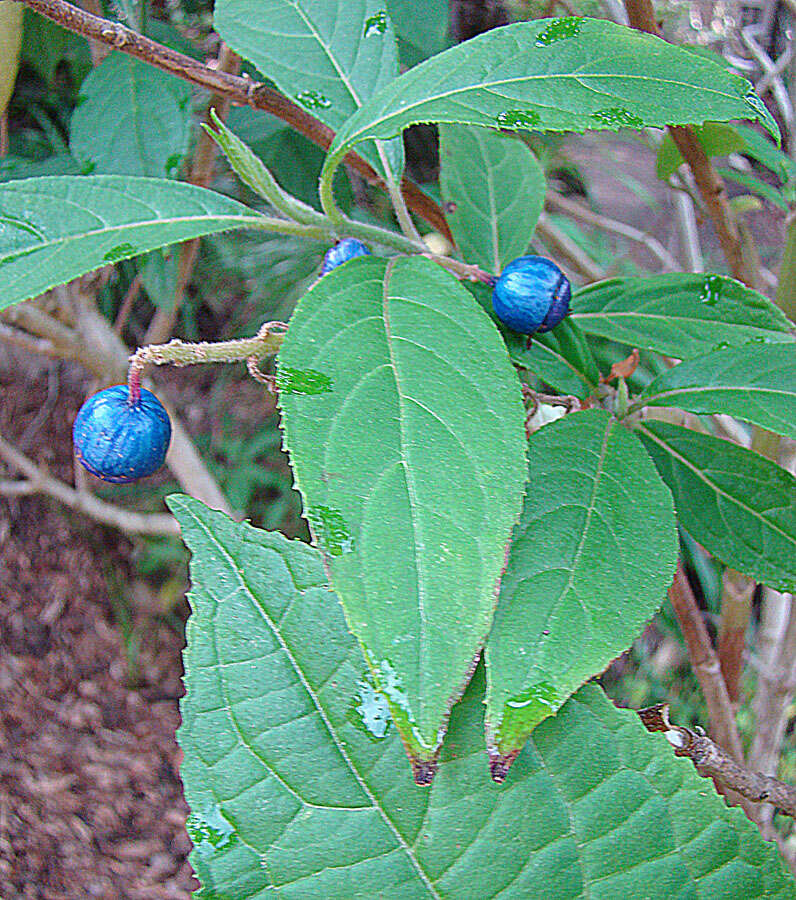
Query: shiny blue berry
118, 440
532, 294
344, 250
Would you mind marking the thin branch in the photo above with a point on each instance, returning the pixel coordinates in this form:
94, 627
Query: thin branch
736, 607
238, 90
705, 664
106, 513
710, 184
711, 761
560, 203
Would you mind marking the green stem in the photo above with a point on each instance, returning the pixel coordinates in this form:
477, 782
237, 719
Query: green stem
786, 288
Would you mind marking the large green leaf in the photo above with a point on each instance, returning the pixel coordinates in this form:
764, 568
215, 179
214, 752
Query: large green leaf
681, 315
565, 74
54, 229
330, 56
754, 383
740, 506
298, 788
591, 558
404, 423
134, 119
493, 187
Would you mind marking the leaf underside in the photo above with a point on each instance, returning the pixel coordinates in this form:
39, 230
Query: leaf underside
403, 419
293, 793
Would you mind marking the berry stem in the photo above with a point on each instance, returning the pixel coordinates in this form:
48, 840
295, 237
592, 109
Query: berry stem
181, 353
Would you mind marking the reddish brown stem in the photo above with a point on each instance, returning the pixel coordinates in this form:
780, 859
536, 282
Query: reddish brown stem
740, 257
239, 91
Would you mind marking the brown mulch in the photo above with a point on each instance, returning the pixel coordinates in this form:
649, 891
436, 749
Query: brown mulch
91, 802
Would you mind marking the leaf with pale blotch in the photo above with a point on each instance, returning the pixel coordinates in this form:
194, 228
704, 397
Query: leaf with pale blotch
404, 422
54, 229
329, 56
493, 188
297, 785
754, 383
739, 505
591, 558
566, 74
679, 314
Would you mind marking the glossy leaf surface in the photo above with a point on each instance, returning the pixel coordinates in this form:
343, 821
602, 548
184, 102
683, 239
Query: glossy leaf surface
329, 57
680, 315
493, 187
740, 506
754, 383
403, 419
591, 558
134, 119
298, 784
54, 229
566, 74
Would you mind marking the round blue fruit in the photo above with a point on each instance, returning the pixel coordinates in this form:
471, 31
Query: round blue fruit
118, 440
342, 251
532, 294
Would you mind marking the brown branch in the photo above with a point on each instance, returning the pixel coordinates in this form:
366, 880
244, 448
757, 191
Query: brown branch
705, 664
736, 247
711, 761
736, 607
239, 92
106, 513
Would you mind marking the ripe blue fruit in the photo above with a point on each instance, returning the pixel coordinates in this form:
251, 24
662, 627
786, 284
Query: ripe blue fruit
119, 440
532, 294
344, 250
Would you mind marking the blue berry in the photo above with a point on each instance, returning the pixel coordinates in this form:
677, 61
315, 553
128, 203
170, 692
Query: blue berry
344, 250
532, 294
120, 441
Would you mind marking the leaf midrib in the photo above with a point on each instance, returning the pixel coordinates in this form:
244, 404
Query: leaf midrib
411, 489
355, 136
176, 220
402, 843
751, 389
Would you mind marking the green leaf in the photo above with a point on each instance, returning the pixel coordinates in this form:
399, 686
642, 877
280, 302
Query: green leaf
159, 274
740, 506
555, 75
45, 45
54, 229
13, 168
419, 36
759, 147
716, 139
134, 119
493, 187
404, 423
297, 787
757, 384
681, 315
329, 56
591, 559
